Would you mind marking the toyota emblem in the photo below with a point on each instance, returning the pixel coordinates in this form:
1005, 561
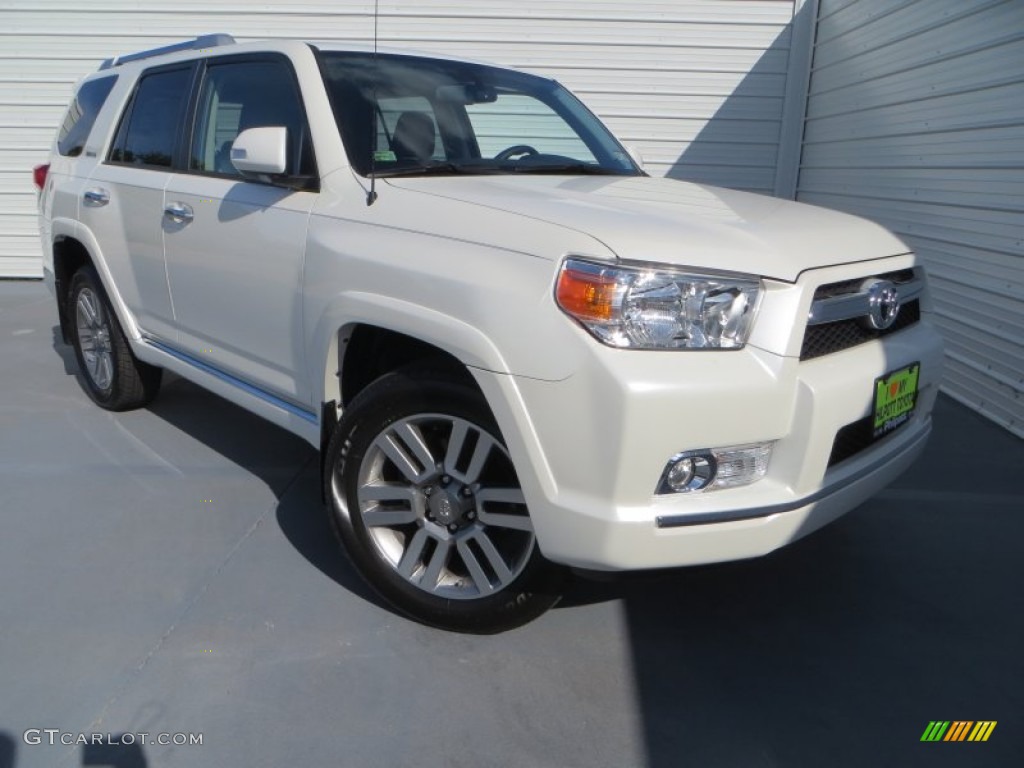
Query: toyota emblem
883, 304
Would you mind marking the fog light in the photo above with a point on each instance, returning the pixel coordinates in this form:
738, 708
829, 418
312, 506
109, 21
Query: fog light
715, 468
680, 475
686, 472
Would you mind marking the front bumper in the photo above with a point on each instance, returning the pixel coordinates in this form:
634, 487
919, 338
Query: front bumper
591, 449
744, 532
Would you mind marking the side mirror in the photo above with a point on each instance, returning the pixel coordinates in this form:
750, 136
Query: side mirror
261, 151
635, 154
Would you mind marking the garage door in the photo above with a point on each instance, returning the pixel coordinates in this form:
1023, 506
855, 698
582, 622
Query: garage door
915, 118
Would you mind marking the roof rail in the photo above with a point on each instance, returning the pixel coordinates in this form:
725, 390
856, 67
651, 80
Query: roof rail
203, 41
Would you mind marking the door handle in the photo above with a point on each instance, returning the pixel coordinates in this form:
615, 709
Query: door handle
179, 212
96, 197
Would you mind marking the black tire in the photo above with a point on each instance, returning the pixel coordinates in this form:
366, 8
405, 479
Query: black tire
458, 503
110, 374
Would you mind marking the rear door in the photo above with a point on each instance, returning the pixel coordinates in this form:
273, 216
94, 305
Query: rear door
122, 202
73, 162
235, 250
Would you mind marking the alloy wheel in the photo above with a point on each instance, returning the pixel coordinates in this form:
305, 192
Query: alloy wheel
93, 329
442, 505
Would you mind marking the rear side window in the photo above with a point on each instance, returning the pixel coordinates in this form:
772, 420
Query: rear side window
150, 125
82, 114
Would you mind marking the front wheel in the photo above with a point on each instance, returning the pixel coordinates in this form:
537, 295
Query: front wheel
427, 504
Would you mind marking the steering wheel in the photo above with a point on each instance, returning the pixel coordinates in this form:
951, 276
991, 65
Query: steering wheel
517, 149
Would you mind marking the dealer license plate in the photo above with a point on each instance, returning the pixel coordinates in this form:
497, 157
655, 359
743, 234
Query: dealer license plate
895, 398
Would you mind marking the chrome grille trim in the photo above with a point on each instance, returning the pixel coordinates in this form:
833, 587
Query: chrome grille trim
850, 306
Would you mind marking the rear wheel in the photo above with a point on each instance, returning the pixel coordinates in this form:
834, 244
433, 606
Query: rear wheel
426, 502
113, 377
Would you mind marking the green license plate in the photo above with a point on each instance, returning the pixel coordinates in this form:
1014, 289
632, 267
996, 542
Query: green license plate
895, 398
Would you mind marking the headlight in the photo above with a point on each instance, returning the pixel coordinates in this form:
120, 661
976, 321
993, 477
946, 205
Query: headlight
649, 307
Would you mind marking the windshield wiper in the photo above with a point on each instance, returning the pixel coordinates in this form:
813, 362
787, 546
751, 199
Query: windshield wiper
446, 168
425, 169
443, 168
583, 169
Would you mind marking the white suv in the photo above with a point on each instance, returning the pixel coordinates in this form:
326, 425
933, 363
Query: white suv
515, 350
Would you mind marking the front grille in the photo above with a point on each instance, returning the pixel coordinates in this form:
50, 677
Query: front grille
825, 339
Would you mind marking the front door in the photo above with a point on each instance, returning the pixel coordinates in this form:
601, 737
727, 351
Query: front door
234, 247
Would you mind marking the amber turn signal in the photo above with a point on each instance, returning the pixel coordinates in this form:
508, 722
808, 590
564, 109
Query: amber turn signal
585, 295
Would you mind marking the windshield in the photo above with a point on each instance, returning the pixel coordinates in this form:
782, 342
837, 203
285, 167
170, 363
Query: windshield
406, 115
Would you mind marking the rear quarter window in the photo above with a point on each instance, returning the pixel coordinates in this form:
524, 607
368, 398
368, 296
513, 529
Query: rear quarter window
151, 122
88, 101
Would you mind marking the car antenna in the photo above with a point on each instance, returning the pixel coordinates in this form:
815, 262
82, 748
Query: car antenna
371, 196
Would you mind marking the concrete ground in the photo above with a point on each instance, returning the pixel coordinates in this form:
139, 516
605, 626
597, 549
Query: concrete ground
170, 571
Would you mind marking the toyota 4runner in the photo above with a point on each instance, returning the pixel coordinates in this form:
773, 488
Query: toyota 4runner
515, 350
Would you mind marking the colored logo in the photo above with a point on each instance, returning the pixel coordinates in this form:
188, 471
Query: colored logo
958, 730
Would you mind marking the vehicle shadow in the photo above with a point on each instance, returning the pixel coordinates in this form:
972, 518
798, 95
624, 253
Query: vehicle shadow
65, 352
290, 469
114, 755
287, 464
8, 750
303, 519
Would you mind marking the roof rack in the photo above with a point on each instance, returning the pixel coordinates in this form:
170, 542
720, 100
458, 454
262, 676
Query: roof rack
203, 41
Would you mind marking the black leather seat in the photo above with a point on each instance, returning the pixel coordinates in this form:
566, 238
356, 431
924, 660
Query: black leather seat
414, 137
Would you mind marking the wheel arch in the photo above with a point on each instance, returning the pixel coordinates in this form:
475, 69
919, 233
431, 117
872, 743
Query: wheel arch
69, 255
360, 337
446, 342
74, 247
371, 351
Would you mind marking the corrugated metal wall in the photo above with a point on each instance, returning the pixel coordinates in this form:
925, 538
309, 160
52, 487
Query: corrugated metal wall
915, 118
655, 71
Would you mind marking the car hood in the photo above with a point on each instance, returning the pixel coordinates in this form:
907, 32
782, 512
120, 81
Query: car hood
675, 222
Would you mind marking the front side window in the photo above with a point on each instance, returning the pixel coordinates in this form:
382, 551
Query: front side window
239, 95
74, 131
406, 115
150, 125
